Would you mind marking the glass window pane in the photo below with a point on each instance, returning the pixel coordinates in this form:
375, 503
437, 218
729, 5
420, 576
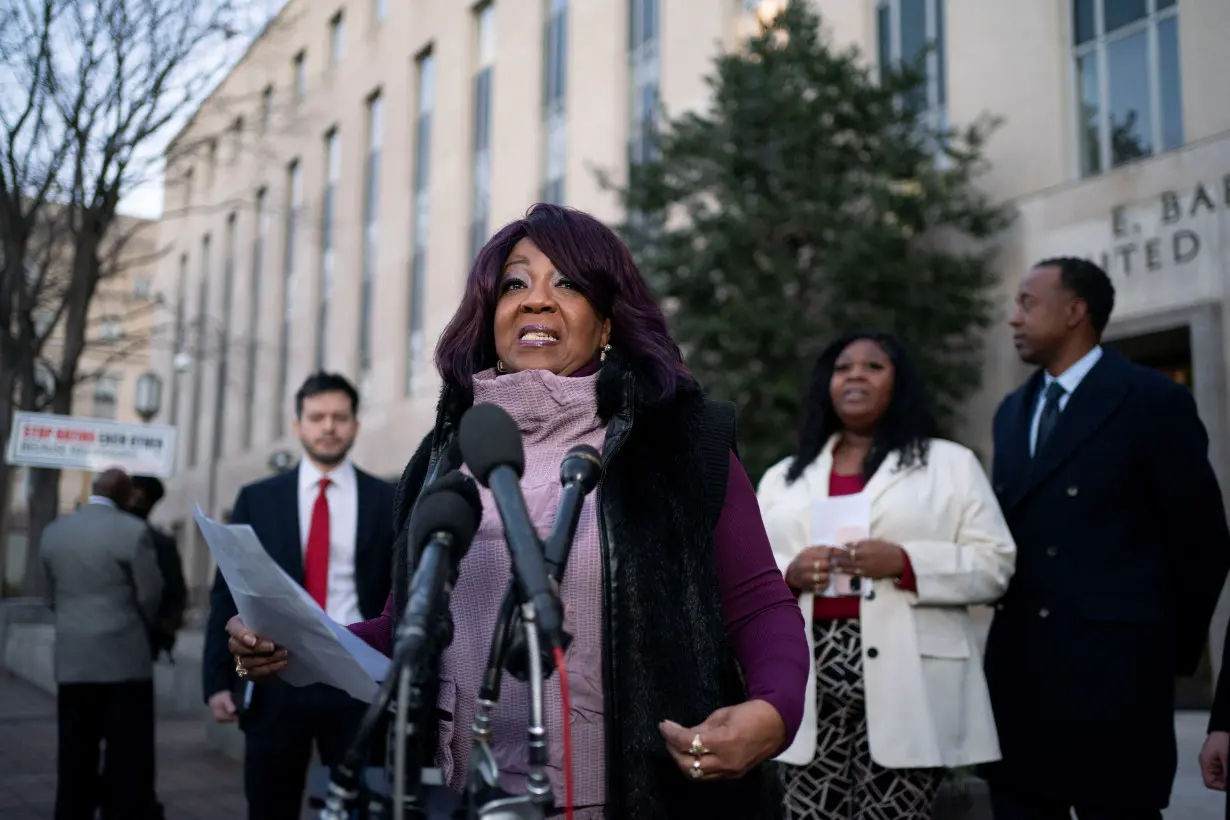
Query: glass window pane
1082, 21
884, 31
1171, 83
1088, 114
940, 75
1164, 4
913, 29
1131, 111
1119, 13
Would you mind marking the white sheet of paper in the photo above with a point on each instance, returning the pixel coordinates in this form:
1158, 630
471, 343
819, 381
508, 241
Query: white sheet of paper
837, 521
274, 606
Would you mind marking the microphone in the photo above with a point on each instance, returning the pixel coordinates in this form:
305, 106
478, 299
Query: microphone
442, 526
492, 449
578, 473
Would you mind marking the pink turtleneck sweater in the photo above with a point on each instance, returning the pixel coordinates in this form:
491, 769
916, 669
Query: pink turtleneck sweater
762, 619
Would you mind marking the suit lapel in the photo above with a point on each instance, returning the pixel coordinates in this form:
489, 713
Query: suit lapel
287, 505
1091, 404
365, 523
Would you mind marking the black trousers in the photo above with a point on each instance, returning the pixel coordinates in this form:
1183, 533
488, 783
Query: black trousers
278, 743
121, 716
1009, 804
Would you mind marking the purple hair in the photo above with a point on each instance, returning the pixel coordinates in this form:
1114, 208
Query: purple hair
598, 263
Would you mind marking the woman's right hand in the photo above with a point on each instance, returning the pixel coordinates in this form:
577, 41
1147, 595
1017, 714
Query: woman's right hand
809, 571
255, 657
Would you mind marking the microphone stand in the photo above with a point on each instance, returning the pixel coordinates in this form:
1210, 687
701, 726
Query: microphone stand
408, 672
485, 799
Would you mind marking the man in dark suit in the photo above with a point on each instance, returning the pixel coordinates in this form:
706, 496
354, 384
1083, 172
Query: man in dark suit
1102, 469
329, 525
104, 586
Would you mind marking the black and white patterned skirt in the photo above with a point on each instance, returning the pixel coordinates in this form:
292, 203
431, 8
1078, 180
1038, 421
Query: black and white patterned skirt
843, 782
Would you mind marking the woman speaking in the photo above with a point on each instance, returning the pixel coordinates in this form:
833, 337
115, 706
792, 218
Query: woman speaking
689, 660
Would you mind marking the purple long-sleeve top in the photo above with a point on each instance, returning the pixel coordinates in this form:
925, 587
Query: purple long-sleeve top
762, 618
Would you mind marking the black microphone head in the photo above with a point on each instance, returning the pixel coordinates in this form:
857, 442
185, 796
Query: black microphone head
449, 504
489, 438
583, 464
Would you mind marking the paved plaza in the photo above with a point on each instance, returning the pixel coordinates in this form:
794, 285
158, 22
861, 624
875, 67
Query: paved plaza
195, 782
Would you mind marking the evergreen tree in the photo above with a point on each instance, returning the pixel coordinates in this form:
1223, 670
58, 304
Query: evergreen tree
811, 198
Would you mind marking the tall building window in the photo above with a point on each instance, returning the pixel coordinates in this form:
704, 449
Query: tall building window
337, 39
422, 208
254, 314
294, 201
300, 78
904, 29
328, 210
198, 360
266, 108
181, 296
1128, 84
106, 395
224, 335
371, 232
236, 138
644, 79
554, 86
483, 79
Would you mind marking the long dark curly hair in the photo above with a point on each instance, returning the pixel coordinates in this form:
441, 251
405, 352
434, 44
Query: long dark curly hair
907, 425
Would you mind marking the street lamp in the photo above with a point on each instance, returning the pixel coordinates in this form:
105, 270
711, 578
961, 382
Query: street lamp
147, 400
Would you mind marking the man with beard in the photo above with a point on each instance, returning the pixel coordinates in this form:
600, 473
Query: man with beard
329, 525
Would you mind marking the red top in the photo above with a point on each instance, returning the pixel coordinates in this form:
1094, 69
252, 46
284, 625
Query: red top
831, 609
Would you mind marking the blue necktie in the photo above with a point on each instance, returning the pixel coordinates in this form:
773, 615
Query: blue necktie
1050, 414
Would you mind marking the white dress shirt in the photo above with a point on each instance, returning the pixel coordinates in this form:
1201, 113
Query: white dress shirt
343, 498
1069, 379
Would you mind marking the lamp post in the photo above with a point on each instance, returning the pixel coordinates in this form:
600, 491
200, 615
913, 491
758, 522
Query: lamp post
147, 400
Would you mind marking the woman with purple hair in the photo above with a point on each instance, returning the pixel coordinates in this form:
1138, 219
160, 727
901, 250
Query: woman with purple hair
689, 661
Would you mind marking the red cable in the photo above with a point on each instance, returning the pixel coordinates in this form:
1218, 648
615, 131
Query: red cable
563, 690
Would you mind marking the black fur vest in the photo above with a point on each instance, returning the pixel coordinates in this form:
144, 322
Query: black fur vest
665, 649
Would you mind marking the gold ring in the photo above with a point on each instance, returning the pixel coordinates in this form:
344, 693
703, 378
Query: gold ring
239, 670
697, 748
696, 773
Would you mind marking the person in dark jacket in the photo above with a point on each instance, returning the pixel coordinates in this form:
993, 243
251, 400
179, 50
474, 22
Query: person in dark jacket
147, 491
1102, 470
688, 662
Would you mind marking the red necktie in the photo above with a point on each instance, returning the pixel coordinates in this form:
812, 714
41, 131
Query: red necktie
316, 562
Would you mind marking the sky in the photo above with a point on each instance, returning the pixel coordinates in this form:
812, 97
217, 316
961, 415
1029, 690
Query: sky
146, 200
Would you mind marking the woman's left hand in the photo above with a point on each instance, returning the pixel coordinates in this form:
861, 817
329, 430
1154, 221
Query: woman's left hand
729, 744
871, 558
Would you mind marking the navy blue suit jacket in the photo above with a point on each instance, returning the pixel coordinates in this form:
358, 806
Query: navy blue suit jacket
271, 508
1122, 552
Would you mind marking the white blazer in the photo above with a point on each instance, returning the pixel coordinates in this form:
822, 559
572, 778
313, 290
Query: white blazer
927, 701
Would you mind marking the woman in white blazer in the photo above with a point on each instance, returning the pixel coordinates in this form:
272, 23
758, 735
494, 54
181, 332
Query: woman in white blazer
896, 692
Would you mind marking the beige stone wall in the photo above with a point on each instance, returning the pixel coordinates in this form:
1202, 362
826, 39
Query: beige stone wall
1003, 56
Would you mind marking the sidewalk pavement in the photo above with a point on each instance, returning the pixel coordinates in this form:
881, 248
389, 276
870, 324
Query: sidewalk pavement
195, 782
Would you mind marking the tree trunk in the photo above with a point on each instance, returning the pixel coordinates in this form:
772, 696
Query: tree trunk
6, 472
44, 506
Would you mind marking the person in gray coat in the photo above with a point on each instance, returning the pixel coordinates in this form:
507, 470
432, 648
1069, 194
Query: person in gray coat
104, 587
